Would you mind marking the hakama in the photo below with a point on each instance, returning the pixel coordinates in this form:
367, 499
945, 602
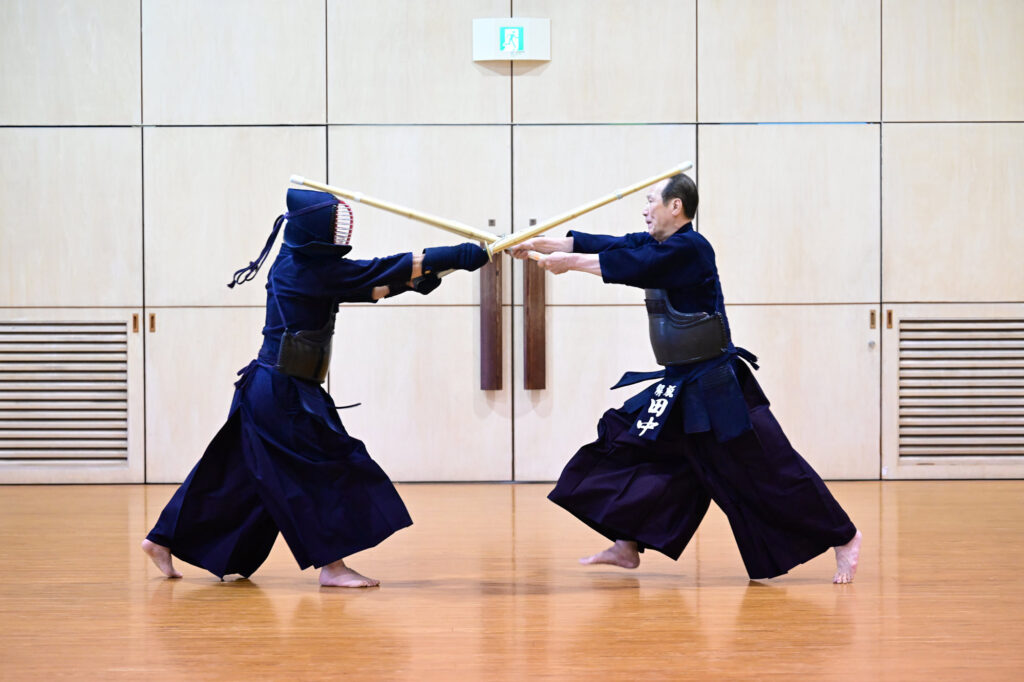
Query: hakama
657, 492
282, 462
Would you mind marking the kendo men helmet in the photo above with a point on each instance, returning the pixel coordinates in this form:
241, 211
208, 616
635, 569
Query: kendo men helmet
318, 223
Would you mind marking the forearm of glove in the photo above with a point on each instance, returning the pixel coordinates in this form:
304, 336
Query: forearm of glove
467, 256
421, 285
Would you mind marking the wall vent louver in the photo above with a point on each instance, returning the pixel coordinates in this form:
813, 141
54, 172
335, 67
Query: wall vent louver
961, 387
63, 391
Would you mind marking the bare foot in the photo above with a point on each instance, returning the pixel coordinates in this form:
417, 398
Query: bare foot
337, 574
161, 556
846, 560
623, 553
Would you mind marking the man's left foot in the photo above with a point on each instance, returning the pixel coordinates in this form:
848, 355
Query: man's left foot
846, 560
337, 574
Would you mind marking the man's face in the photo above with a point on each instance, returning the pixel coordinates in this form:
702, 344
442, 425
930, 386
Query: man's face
661, 218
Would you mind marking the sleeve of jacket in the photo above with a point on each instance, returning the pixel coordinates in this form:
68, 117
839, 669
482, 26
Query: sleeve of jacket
676, 263
351, 280
583, 242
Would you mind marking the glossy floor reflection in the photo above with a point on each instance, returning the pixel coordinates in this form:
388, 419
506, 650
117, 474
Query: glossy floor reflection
485, 585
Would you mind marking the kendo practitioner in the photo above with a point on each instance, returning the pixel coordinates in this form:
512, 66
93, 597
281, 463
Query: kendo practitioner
283, 461
704, 431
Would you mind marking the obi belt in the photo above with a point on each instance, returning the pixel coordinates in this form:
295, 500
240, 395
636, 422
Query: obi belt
712, 399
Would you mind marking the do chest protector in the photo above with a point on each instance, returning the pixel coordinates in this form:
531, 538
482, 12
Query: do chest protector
682, 338
304, 354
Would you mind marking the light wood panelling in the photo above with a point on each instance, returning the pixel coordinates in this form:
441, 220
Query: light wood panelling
68, 62
788, 60
212, 195
952, 60
981, 466
416, 371
457, 172
952, 212
83, 470
561, 167
394, 61
820, 369
191, 360
71, 213
611, 62
505, 599
234, 61
792, 211
588, 349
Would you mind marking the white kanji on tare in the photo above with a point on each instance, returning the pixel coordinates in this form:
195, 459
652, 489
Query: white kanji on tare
658, 406
646, 426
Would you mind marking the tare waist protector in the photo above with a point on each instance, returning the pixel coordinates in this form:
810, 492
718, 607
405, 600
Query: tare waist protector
306, 354
682, 338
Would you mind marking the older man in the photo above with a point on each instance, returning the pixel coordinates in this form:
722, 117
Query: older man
704, 431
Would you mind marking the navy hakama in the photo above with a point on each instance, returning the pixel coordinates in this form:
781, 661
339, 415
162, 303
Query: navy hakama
283, 461
718, 440
657, 492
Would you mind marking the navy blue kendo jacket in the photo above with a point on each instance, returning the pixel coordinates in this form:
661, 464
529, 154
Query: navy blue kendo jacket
309, 287
684, 266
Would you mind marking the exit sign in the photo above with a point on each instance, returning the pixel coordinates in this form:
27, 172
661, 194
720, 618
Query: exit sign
511, 38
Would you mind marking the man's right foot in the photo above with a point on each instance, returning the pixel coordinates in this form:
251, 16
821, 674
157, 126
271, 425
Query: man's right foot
623, 553
161, 556
847, 557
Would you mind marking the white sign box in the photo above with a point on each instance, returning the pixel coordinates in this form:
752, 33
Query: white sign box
511, 38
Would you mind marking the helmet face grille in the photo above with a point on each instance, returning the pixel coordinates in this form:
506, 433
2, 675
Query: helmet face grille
343, 224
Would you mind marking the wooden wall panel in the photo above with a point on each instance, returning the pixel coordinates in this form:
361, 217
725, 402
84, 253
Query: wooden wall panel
234, 62
952, 212
191, 361
70, 217
820, 368
55, 71
392, 61
792, 211
416, 371
611, 62
788, 60
212, 195
952, 60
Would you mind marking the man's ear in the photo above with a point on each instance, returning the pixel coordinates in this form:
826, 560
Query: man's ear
677, 205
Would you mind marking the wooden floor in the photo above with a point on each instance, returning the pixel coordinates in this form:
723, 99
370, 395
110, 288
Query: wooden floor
485, 586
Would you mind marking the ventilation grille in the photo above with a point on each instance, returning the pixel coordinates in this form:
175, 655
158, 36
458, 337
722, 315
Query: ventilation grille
63, 390
961, 387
